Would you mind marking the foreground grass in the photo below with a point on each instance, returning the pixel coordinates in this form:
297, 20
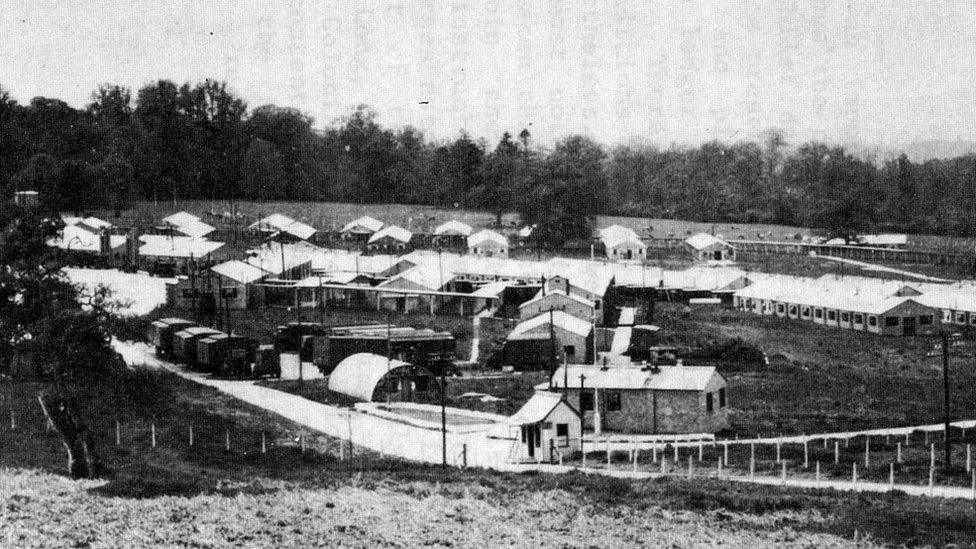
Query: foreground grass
206, 496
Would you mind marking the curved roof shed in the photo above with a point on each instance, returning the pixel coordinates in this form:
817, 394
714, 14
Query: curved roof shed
360, 374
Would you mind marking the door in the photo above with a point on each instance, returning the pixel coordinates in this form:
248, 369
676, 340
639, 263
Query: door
718, 255
628, 254
528, 433
908, 325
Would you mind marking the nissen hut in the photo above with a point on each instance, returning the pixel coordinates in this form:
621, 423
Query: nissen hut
649, 399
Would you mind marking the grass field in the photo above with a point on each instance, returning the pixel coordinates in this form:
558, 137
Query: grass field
204, 496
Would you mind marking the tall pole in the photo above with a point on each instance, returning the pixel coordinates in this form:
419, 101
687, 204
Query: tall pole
582, 414
945, 396
443, 418
552, 348
565, 378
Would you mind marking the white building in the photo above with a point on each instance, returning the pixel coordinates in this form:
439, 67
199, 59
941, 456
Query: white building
706, 247
622, 243
488, 243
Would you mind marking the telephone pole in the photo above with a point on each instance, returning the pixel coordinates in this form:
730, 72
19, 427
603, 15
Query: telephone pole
945, 397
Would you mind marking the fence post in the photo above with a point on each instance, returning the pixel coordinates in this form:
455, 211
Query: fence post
342, 450
264, 444
464, 456
836, 452
908, 440
973, 485
926, 438
654, 452
301, 442
700, 451
664, 464
689, 467
675, 445
13, 422
891, 476
752, 467
636, 454
867, 453
806, 455
854, 476
783, 473
725, 453
825, 443
778, 460
191, 435
898, 453
931, 480
608, 451
118, 433
817, 474
932, 456
153, 428
227, 440
719, 467
752, 452
969, 457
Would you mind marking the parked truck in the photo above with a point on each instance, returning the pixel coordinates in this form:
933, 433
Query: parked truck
161, 334
185, 344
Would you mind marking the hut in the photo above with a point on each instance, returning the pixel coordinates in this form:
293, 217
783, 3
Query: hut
236, 284
649, 399
488, 243
559, 300
283, 227
390, 238
374, 378
452, 234
706, 247
549, 428
573, 336
622, 243
359, 230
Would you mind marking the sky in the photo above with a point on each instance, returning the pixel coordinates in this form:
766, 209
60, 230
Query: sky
847, 72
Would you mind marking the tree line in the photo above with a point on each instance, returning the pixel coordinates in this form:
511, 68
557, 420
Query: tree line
201, 141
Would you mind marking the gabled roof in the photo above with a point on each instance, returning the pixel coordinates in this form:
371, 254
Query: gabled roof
238, 270
197, 229
550, 293
180, 218
95, 222
492, 289
486, 235
560, 319
538, 408
674, 378
453, 227
282, 223
883, 239
701, 241
365, 224
177, 246
269, 256
357, 375
612, 239
394, 232
78, 238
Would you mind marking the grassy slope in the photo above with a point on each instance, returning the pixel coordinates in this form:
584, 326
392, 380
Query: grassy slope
174, 494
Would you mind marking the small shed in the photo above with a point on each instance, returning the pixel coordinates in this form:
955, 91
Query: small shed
622, 243
375, 378
549, 428
573, 336
706, 247
649, 399
452, 233
488, 243
237, 284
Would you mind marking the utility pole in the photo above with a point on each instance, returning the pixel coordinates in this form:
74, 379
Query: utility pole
582, 414
552, 348
945, 397
443, 417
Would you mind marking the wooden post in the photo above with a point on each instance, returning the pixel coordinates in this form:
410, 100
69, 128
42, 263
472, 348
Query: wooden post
969, 457
908, 439
13, 422
891, 475
264, 444
654, 452
342, 450
636, 452
689, 468
700, 451
806, 455
931, 480
719, 467
836, 452
932, 456
783, 473
301, 442
847, 443
227, 440
817, 474
854, 476
825, 443
752, 452
191, 435
867, 453
675, 445
778, 460
752, 467
608, 451
464, 456
725, 453
153, 428
926, 438
118, 433
898, 453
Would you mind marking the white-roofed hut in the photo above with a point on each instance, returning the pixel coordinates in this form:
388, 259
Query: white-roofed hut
549, 428
488, 243
391, 238
635, 399
359, 230
374, 378
529, 345
452, 234
706, 247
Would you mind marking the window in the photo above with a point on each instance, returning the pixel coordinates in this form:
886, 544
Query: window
228, 293
972, 319
926, 320
709, 405
832, 315
891, 321
872, 320
946, 316
569, 350
613, 401
792, 309
562, 429
858, 318
845, 317
818, 313
806, 312
961, 318
596, 305
586, 400
721, 397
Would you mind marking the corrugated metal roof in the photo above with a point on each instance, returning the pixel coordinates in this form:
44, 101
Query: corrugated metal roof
196, 229
615, 235
540, 297
357, 375
177, 246
180, 218
77, 238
